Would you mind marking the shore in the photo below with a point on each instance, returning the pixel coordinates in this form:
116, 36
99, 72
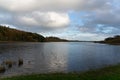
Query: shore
102, 42
107, 73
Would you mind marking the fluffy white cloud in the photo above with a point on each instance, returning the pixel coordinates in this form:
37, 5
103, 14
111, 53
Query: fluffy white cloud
46, 13
45, 19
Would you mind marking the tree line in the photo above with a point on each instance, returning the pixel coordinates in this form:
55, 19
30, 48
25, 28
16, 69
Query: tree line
115, 39
8, 34
111, 40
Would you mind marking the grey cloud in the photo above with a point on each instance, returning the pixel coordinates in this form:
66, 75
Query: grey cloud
51, 5
108, 17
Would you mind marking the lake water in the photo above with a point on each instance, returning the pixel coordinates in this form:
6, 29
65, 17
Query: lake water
58, 56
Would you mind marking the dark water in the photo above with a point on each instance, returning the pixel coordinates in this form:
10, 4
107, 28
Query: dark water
58, 57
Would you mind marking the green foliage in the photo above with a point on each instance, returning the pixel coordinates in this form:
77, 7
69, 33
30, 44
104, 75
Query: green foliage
8, 34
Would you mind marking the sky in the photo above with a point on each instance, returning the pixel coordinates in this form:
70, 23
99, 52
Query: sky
68, 19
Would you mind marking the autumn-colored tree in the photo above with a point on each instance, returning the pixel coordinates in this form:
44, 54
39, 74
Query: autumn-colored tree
8, 34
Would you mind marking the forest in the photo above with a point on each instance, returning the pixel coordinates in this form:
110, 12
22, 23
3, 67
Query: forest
111, 40
9, 34
115, 39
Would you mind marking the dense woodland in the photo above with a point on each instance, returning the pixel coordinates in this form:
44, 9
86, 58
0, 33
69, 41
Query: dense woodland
115, 39
112, 40
8, 34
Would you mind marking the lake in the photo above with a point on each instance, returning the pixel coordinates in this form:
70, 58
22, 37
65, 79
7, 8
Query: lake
57, 57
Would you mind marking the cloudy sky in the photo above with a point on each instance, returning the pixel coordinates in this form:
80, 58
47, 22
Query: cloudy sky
69, 19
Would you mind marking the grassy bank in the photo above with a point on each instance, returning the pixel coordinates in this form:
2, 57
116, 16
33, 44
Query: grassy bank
108, 73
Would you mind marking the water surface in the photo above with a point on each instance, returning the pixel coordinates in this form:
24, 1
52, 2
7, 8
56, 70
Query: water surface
58, 56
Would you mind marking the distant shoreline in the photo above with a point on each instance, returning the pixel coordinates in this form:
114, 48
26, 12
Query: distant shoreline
102, 42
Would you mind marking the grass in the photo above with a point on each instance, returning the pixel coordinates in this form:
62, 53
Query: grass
107, 73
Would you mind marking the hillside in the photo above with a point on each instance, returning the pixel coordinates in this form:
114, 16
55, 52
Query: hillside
54, 39
112, 40
8, 34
